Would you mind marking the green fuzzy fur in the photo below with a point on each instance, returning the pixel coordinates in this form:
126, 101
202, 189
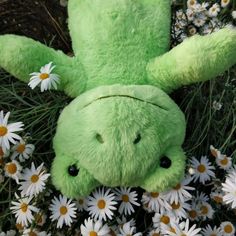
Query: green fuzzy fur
119, 76
109, 111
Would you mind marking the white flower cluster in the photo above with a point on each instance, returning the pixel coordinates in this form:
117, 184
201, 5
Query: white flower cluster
111, 211
202, 18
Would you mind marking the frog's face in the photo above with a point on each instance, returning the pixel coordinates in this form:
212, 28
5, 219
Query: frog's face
119, 136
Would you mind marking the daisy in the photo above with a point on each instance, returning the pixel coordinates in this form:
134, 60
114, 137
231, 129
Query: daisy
127, 198
217, 196
229, 188
214, 10
227, 228
44, 77
183, 229
63, 210
23, 210
35, 232
127, 229
217, 105
91, 228
199, 20
201, 197
192, 30
33, 180
22, 150
121, 221
203, 169
101, 204
224, 162
164, 219
81, 204
193, 214
180, 192
191, 3
225, 3
154, 232
40, 218
209, 231
156, 201
190, 14
215, 152
180, 209
205, 210
7, 131
13, 170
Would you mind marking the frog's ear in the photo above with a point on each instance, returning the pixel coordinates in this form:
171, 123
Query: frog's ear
198, 58
21, 56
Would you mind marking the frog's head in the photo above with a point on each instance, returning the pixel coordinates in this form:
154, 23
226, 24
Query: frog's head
119, 136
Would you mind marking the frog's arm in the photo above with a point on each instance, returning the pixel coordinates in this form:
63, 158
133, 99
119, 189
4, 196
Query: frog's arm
198, 58
21, 56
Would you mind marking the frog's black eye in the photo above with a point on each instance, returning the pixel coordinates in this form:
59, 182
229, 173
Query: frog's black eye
73, 170
137, 139
165, 162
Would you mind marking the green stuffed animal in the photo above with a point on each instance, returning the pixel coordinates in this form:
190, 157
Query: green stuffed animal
122, 129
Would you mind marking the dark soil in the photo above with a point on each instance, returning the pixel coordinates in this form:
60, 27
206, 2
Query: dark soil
42, 20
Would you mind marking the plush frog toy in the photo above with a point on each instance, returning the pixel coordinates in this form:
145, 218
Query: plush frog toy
122, 128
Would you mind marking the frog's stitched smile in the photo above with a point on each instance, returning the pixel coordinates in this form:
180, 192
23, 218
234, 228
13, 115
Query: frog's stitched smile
127, 96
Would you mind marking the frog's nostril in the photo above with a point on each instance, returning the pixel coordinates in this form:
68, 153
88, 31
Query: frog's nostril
137, 139
99, 138
73, 170
165, 162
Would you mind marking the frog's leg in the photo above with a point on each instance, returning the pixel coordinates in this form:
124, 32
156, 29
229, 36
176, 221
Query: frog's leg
21, 56
162, 178
198, 58
79, 184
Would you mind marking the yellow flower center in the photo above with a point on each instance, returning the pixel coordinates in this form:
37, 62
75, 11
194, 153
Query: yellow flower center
44, 76
101, 204
192, 2
21, 148
11, 168
3, 130
224, 162
34, 178
24, 207
81, 201
125, 198
218, 199
213, 235
192, 214
228, 229
177, 187
225, 1
31, 233
63, 210
204, 210
38, 218
156, 234
92, 233
19, 226
154, 194
175, 206
165, 220
201, 168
